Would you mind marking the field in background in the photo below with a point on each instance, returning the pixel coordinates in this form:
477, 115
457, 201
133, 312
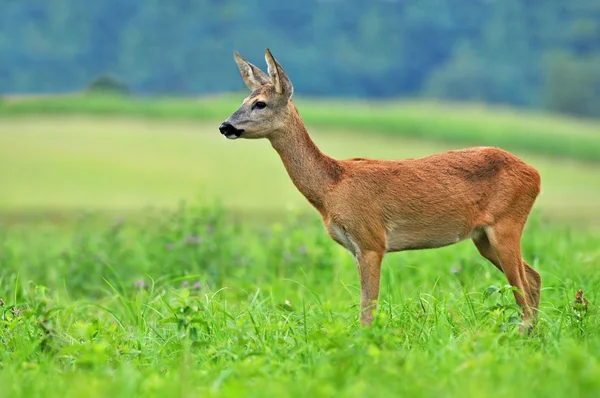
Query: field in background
185, 301
57, 165
459, 124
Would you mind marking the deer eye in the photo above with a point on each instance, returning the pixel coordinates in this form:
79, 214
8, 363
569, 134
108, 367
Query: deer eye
259, 105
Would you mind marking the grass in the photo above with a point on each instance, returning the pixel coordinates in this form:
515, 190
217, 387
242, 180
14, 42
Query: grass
456, 124
113, 309
58, 165
191, 302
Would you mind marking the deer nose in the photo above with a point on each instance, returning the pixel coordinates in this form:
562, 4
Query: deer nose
225, 127
229, 131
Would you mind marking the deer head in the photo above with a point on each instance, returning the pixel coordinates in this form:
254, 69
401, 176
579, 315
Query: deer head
265, 112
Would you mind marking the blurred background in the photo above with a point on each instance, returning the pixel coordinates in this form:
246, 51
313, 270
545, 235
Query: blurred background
113, 106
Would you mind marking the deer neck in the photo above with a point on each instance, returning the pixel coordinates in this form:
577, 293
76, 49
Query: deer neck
311, 171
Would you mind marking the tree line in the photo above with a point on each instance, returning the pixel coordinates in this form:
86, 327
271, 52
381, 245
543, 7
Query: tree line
538, 54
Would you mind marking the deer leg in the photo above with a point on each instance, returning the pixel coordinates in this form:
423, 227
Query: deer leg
482, 243
535, 284
505, 239
369, 268
532, 276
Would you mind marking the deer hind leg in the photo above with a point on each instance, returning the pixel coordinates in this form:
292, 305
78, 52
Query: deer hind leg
533, 277
535, 285
502, 246
369, 268
482, 243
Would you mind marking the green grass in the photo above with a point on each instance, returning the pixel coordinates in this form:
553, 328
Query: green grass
60, 165
275, 311
456, 124
275, 314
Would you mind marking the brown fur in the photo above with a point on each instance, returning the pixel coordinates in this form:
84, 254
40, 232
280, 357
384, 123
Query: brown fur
372, 207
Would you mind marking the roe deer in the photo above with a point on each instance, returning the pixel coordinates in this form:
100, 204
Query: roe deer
372, 207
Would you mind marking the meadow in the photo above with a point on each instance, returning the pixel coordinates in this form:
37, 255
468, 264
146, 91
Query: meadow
142, 254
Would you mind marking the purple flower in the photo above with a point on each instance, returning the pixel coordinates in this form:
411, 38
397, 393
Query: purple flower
185, 284
140, 283
197, 286
16, 311
302, 250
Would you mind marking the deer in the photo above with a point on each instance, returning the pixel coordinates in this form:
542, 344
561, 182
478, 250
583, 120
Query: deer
372, 207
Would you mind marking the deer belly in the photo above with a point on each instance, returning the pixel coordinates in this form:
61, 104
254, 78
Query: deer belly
410, 237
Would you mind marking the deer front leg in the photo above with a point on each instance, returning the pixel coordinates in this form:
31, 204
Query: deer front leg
369, 268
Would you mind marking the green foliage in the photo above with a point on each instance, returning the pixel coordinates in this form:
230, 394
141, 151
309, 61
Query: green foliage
464, 77
377, 49
572, 84
189, 303
107, 84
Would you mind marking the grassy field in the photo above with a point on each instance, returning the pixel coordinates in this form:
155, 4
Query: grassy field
53, 165
167, 300
458, 124
188, 304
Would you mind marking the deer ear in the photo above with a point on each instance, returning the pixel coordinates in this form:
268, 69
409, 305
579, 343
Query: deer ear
279, 78
253, 76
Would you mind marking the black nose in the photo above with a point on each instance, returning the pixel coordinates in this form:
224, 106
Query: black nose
224, 128
229, 131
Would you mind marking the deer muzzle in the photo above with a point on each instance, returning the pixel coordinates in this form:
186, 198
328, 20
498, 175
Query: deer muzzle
229, 131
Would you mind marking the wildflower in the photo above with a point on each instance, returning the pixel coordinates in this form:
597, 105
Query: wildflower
185, 284
141, 284
16, 312
197, 286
